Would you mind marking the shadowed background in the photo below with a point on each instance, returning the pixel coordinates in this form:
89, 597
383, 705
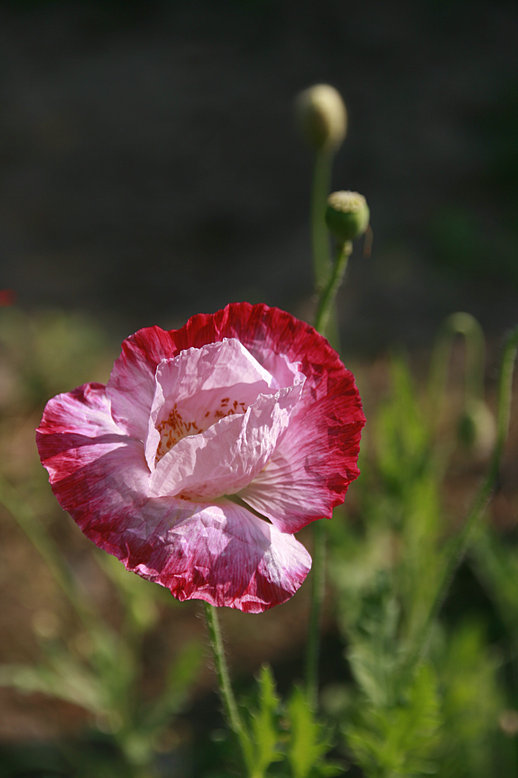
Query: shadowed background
150, 168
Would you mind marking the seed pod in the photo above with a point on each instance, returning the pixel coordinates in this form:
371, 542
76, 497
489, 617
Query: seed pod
347, 215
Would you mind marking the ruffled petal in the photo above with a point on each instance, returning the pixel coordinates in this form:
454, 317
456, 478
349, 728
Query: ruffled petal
77, 428
85, 410
80, 445
313, 464
201, 385
131, 386
219, 553
227, 456
267, 333
273, 337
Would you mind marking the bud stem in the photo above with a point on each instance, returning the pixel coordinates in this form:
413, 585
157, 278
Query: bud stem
319, 234
225, 687
457, 324
325, 309
329, 293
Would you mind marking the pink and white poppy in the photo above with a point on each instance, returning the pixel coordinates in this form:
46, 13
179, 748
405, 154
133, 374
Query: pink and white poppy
209, 447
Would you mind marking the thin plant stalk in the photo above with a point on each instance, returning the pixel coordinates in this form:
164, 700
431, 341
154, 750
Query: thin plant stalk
459, 546
324, 311
319, 234
457, 324
321, 272
322, 260
327, 298
226, 693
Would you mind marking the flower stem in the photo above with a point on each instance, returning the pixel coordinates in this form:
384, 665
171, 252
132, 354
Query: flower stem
320, 237
225, 687
457, 324
327, 298
319, 234
461, 542
322, 319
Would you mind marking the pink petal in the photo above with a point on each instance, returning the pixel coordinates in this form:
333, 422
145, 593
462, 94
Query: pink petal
203, 382
314, 463
267, 333
131, 387
227, 456
221, 554
218, 553
77, 428
87, 408
76, 434
272, 336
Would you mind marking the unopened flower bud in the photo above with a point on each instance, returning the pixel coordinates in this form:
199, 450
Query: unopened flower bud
321, 116
476, 428
347, 215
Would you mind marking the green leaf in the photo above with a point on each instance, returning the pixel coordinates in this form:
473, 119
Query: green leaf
264, 734
308, 743
402, 434
374, 653
399, 740
71, 683
472, 703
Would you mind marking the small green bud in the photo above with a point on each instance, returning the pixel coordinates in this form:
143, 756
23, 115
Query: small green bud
347, 215
321, 116
476, 428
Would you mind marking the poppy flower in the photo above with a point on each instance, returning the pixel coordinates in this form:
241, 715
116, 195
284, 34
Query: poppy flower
209, 447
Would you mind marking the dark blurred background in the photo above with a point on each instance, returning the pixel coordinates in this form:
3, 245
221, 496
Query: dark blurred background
150, 168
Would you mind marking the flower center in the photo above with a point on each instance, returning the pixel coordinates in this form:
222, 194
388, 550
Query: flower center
176, 426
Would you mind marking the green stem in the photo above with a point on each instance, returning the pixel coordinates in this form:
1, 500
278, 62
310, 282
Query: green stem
457, 324
324, 311
225, 687
461, 542
319, 234
327, 298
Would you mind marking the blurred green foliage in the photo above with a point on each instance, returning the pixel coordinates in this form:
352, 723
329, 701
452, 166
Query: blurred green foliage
441, 715
450, 708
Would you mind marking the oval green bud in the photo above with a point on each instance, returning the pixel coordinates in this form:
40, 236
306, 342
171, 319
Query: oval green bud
347, 215
321, 116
